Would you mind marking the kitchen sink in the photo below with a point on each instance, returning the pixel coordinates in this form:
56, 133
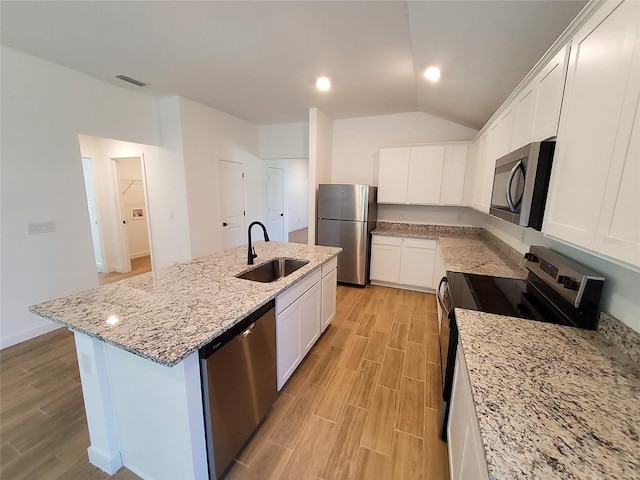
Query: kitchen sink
273, 270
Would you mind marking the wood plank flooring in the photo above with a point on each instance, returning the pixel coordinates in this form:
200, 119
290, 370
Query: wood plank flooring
43, 428
299, 236
138, 265
363, 404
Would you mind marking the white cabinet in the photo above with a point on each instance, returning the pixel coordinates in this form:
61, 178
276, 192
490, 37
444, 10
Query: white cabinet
594, 179
393, 175
422, 175
403, 262
385, 258
298, 324
425, 175
537, 107
453, 174
549, 87
329, 285
466, 453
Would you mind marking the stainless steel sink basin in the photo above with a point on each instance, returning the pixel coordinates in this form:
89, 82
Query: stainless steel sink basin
273, 270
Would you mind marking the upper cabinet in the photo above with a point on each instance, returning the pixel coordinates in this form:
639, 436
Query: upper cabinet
422, 175
593, 196
548, 87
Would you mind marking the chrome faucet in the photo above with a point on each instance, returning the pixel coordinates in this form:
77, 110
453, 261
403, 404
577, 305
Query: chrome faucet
251, 254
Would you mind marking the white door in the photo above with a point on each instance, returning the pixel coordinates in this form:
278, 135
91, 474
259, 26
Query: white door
275, 204
232, 204
93, 212
121, 245
393, 172
453, 173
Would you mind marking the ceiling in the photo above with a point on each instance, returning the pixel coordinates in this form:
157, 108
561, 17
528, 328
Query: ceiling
259, 60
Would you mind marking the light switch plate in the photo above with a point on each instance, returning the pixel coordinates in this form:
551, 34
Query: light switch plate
34, 228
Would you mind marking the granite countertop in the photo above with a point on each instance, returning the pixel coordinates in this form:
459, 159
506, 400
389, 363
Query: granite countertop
463, 248
551, 401
166, 315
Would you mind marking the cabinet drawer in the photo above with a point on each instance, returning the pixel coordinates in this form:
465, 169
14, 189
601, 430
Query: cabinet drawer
290, 295
384, 240
420, 243
330, 265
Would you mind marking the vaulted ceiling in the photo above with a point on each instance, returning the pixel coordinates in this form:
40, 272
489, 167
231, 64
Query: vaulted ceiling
259, 60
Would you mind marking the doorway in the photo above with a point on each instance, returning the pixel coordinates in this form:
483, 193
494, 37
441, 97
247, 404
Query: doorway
118, 213
297, 193
275, 204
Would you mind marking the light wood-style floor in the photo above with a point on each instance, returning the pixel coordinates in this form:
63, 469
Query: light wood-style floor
138, 265
43, 428
363, 405
299, 236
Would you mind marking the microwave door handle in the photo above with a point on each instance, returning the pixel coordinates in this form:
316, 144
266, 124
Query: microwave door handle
512, 175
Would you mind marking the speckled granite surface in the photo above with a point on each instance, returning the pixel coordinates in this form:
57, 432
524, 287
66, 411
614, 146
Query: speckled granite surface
166, 315
551, 401
624, 337
463, 249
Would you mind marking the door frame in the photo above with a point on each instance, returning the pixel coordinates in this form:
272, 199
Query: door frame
98, 243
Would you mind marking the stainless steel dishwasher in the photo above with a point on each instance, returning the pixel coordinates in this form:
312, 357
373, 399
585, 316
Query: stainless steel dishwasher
238, 372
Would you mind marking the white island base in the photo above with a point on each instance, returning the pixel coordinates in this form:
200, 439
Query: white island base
142, 415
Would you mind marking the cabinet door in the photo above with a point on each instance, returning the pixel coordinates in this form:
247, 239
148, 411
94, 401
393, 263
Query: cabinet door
470, 181
524, 108
329, 285
619, 227
288, 350
453, 174
549, 84
425, 175
416, 265
310, 318
385, 263
590, 122
393, 173
486, 168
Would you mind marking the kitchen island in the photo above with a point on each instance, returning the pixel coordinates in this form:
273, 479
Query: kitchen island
137, 343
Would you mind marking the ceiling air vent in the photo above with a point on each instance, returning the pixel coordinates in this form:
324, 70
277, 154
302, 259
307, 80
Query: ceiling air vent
131, 80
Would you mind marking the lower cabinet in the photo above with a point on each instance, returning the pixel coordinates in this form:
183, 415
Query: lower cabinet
329, 286
466, 453
303, 312
403, 262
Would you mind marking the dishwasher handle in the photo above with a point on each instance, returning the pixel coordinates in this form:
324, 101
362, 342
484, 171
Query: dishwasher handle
242, 329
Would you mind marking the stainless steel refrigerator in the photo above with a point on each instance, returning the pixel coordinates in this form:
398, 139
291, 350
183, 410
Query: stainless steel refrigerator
346, 216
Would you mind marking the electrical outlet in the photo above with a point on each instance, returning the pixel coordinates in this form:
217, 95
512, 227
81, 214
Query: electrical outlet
171, 215
522, 235
459, 217
401, 215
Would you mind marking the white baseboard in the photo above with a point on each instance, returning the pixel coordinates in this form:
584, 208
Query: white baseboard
28, 334
105, 462
402, 287
139, 254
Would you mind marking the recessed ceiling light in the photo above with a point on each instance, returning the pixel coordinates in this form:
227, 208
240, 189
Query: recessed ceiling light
323, 84
432, 74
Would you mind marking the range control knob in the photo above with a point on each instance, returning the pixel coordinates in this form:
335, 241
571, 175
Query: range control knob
531, 257
570, 283
562, 278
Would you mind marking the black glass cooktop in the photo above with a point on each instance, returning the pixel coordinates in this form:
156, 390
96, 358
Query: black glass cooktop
503, 296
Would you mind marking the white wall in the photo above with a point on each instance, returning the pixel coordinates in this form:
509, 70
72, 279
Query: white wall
285, 140
297, 193
320, 154
44, 108
432, 215
356, 141
208, 136
620, 295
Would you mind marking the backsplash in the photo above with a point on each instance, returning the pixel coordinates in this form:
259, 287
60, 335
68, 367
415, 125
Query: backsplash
622, 336
426, 229
504, 248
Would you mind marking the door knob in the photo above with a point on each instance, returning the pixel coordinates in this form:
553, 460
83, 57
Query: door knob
224, 224
282, 214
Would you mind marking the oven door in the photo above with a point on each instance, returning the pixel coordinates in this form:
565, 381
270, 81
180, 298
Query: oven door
448, 345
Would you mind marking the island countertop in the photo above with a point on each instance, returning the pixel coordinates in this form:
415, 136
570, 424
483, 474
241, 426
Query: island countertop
551, 401
166, 315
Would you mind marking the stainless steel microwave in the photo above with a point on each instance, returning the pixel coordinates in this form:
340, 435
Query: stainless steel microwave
520, 184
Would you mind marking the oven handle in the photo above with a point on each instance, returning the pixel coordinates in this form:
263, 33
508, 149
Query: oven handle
510, 202
440, 301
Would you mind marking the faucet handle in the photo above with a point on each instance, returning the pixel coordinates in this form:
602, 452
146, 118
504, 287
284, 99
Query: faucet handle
253, 252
